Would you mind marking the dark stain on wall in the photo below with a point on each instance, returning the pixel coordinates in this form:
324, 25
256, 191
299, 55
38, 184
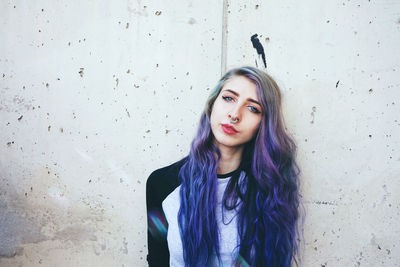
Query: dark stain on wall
76, 234
320, 202
17, 229
314, 109
10, 143
34, 215
259, 48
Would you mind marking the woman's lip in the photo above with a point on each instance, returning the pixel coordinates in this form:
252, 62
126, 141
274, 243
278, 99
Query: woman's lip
228, 129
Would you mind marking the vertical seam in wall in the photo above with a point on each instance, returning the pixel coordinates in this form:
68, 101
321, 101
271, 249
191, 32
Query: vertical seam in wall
224, 35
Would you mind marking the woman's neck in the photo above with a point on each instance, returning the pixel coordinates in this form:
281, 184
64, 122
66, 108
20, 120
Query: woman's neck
230, 159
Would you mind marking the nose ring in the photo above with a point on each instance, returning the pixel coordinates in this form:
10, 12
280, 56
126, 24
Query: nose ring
233, 121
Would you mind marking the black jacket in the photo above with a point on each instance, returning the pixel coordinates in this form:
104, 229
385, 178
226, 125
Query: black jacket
159, 185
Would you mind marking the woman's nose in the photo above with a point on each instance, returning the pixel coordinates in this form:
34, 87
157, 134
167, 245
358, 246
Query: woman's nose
234, 114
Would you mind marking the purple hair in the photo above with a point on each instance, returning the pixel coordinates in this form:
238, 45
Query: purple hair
268, 208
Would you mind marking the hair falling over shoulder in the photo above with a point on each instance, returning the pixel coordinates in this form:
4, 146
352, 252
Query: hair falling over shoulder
269, 205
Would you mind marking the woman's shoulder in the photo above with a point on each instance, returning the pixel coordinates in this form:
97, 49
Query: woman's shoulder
165, 177
167, 170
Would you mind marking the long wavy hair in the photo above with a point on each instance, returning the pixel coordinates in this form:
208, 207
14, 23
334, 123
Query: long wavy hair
267, 200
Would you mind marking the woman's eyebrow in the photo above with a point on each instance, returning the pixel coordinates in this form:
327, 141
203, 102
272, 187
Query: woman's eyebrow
248, 99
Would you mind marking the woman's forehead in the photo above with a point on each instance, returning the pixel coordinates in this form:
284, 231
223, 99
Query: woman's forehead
242, 85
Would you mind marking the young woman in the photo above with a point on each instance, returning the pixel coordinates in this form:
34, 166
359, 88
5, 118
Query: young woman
233, 201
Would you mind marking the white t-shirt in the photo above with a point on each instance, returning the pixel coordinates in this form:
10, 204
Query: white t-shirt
229, 238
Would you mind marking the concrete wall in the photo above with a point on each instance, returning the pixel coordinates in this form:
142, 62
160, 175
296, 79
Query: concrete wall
95, 95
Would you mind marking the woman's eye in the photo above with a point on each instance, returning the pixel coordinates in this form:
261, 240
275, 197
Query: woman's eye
253, 109
227, 98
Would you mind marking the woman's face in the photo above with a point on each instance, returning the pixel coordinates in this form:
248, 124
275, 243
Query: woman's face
238, 101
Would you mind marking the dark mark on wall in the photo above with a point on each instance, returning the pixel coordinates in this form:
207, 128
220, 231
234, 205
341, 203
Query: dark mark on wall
48, 128
192, 21
314, 109
9, 143
127, 25
127, 112
124, 249
20, 118
331, 203
81, 72
387, 193
337, 84
18, 230
158, 13
259, 48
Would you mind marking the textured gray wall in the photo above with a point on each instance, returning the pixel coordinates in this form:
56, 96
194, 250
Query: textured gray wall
95, 95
